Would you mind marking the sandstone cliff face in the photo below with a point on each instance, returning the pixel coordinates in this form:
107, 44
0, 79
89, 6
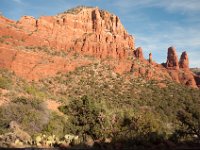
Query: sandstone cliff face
29, 47
86, 31
34, 66
90, 30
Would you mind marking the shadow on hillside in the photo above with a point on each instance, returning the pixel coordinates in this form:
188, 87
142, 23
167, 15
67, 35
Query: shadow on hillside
129, 144
125, 144
147, 142
119, 146
152, 141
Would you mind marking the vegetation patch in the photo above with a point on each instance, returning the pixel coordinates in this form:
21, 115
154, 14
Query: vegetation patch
46, 50
31, 114
98, 104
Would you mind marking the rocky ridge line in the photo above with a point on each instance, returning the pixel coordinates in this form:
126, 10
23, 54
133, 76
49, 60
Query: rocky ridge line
82, 31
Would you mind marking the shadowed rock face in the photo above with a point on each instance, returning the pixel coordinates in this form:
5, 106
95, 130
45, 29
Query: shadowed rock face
150, 58
172, 59
138, 53
197, 79
184, 61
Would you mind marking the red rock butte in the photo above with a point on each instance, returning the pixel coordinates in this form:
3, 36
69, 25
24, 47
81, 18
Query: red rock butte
172, 58
38, 48
184, 61
89, 30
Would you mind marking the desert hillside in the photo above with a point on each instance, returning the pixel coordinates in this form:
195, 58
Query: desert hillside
76, 79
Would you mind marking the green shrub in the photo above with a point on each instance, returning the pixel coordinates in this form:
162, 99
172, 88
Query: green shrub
7, 36
76, 10
37, 104
56, 125
31, 115
35, 92
1, 40
190, 121
83, 116
5, 83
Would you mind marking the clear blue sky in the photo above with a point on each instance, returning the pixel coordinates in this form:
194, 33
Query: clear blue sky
155, 24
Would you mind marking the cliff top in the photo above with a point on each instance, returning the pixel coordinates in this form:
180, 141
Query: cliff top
78, 9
